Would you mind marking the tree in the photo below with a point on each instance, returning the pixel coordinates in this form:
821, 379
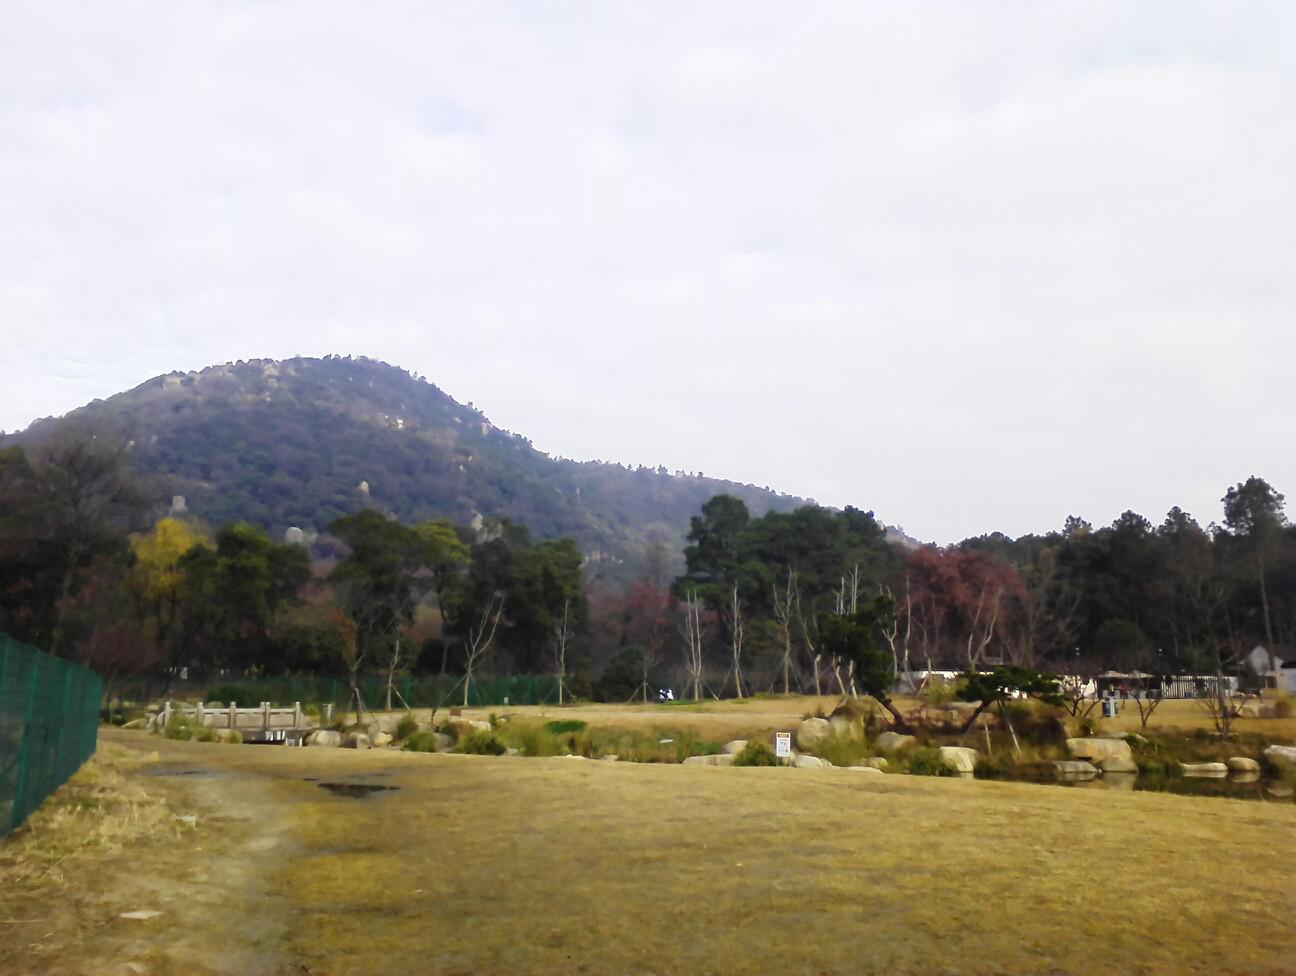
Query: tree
995, 687
156, 577
691, 630
855, 640
376, 583
1253, 515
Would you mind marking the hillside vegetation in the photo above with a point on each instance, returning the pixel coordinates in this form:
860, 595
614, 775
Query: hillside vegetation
301, 441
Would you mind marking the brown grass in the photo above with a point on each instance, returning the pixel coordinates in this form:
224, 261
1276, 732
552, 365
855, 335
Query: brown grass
518, 866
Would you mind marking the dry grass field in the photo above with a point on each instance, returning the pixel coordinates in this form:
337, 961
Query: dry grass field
518, 866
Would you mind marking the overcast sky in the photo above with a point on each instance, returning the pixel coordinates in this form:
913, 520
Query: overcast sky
973, 266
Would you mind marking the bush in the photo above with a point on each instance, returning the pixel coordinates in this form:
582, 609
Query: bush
939, 692
407, 726
991, 766
179, 727
537, 740
1088, 726
841, 751
562, 726
756, 753
481, 743
926, 761
420, 742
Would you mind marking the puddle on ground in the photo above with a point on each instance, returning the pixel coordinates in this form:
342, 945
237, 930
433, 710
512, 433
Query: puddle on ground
356, 790
172, 771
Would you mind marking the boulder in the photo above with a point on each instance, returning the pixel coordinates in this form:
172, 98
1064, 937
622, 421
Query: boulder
1075, 768
866, 769
380, 739
324, 737
1242, 764
735, 746
958, 758
356, 740
136, 723
480, 725
892, 742
1096, 750
510, 751
1210, 769
1283, 757
1118, 764
386, 722
846, 727
724, 759
812, 733
874, 762
810, 762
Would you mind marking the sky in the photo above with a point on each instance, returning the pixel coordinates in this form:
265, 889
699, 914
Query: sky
975, 267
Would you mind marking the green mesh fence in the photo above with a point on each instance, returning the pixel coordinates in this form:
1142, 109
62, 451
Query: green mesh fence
49, 720
437, 690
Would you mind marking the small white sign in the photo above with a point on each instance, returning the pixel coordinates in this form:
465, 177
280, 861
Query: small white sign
783, 744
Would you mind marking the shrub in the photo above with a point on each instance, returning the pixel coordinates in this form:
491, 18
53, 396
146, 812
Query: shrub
926, 761
537, 740
1088, 726
992, 766
841, 751
204, 734
407, 726
939, 692
179, 727
481, 743
756, 753
562, 726
420, 742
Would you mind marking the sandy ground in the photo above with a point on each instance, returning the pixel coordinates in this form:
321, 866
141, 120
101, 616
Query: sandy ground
519, 866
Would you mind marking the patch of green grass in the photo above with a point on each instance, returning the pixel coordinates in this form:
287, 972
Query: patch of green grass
843, 750
561, 726
533, 739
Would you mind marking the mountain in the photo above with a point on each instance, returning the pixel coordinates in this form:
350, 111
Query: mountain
298, 442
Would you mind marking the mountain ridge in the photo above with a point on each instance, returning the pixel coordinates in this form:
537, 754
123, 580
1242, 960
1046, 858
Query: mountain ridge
297, 442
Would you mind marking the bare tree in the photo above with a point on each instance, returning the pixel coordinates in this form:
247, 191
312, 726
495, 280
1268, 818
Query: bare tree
562, 634
736, 640
981, 633
784, 611
480, 639
692, 634
394, 666
897, 641
352, 658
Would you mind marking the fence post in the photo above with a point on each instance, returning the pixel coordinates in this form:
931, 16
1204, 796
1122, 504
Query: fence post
198, 715
166, 714
297, 714
265, 716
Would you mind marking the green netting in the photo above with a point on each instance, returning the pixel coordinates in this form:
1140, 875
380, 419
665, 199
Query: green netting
49, 721
437, 690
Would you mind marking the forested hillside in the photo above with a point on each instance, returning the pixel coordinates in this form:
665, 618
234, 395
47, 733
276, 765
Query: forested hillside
303, 441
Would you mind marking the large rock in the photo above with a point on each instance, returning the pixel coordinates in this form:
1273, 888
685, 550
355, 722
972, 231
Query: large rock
1282, 756
356, 740
734, 747
961, 759
1242, 764
812, 733
1098, 750
136, 723
1211, 769
1075, 768
874, 762
892, 742
724, 759
866, 769
1118, 764
846, 727
324, 737
380, 739
810, 762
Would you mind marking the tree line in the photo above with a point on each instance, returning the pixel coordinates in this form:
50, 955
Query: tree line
812, 600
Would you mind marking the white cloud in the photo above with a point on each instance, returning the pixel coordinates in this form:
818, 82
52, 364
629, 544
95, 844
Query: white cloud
973, 266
